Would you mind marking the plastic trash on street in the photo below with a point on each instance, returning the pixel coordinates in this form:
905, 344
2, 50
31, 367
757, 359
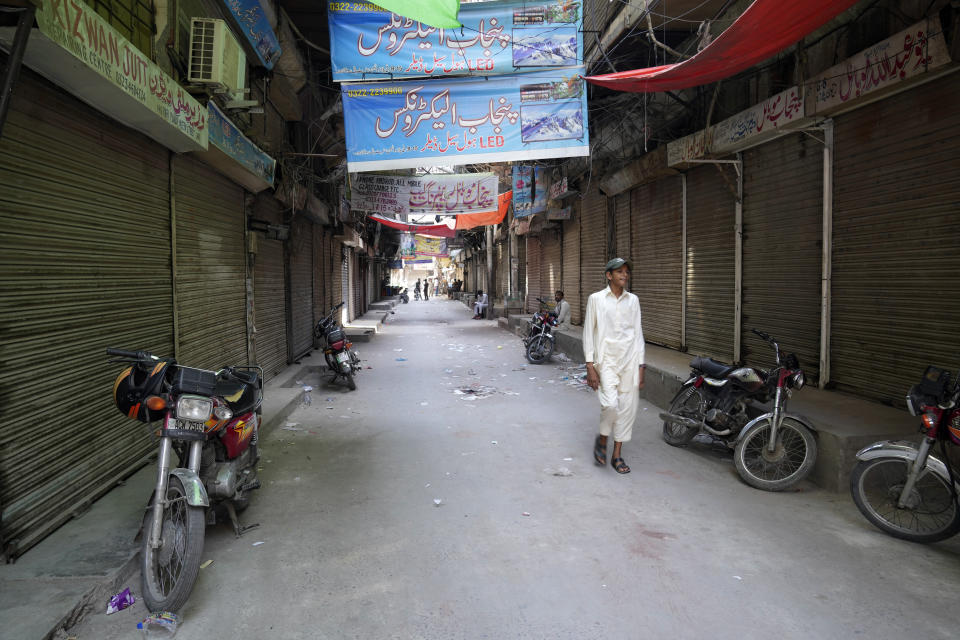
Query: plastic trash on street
120, 601
159, 625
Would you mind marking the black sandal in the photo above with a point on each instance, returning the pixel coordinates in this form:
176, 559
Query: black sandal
600, 451
620, 465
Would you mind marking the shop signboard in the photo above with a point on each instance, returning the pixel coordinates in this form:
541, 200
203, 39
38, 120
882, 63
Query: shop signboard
225, 136
256, 28
428, 194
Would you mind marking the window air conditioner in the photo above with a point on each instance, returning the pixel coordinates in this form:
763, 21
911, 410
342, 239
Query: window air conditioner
216, 57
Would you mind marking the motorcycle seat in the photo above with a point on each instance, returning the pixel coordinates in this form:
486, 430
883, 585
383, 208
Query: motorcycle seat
240, 397
711, 368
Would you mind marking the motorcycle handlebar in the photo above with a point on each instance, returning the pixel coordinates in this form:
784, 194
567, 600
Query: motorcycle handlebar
123, 353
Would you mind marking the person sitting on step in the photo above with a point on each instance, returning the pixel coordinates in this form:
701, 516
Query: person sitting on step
480, 306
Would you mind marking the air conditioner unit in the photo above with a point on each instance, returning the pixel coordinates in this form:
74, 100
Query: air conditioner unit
216, 57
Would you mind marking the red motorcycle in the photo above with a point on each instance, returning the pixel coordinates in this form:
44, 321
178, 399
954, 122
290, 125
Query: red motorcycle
211, 420
338, 351
772, 451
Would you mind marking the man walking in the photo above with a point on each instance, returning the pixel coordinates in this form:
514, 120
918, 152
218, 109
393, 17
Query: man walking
613, 347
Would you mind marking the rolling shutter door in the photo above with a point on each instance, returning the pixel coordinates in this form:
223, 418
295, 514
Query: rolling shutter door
301, 287
534, 258
782, 240
336, 272
593, 245
503, 265
521, 267
552, 262
571, 265
269, 286
84, 206
895, 290
657, 251
211, 267
710, 262
320, 282
622, 228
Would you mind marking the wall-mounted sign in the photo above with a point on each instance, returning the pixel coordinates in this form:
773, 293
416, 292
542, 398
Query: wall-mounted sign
428, 194
115, 76
885, 66
226, 137
540, 190
522, 190
559, 188
465, 120
367, 43
782, 111
256, 29
559, 214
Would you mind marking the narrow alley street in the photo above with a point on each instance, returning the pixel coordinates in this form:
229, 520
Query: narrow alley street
453, 495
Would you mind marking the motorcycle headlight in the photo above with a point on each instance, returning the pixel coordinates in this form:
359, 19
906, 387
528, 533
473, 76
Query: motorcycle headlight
194, 408
223, 412
797, 380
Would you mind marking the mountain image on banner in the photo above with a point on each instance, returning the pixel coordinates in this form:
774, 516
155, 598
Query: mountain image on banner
539, 49
551, 122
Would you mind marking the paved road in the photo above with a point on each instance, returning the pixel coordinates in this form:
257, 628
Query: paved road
531, 539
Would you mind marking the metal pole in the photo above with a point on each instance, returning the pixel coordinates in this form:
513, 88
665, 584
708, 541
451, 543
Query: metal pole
826, 267
24, 25
490, 265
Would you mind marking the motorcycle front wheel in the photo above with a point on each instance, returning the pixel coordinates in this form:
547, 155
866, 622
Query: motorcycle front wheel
930, 513
351, 383
791, 460
167, 573
539, 350
685, 404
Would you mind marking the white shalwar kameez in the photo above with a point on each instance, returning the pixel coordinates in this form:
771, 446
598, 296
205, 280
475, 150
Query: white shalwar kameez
613, 342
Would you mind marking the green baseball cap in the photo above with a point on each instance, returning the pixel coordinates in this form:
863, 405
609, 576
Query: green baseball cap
616, 263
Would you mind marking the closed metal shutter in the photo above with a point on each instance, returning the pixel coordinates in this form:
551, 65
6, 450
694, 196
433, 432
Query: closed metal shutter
269, 287
593, 244
301, 286
622, 227
320, 282
782, 240
551, 265
84, 207
571, 265
349, 277
337, 272
534, 258
896, 229
502, 264
657, 252
711, 245
522, 267
210, 267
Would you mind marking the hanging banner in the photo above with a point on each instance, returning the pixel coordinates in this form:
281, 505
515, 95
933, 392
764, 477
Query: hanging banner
496, 38
400, 125
430, 247
441, 230
227, 137
408, 246
559, 214
256, 28
522, 190
540, 191
443, 195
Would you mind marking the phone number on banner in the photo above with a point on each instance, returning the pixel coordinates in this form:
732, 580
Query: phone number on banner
353, 6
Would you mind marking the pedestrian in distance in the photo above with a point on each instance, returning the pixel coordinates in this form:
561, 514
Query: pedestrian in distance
426, 289
416, 290
613, 347
563, 311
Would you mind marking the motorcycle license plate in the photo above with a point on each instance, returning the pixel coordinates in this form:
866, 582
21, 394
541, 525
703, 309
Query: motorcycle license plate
343, 357
185, 425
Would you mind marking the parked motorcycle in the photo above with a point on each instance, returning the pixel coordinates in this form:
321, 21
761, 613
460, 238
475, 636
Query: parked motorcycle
540, 341
211, 420
899, 486
771, 452
341, 359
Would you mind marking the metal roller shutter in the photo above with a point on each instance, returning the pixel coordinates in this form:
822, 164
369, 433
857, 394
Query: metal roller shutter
593, 244
336, 267
551, 265
570, 283
84, 207
301, 286
895, 290
521, 267
657, 252
210, 267
782, 240
711, 246
534, 258
320, 282
269, 286
622, 227
503, 266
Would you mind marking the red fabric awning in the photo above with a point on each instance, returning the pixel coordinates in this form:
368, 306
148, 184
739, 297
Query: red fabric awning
471, 220
765, 28
436, 230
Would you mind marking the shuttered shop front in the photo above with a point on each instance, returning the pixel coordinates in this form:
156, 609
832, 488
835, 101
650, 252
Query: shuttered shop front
657, 252
710, 263
269, 286
301, 286
551, 266
593, 244
782, 239
622, 223
210, 267
84, 205
571, 265
534, 259
896, 294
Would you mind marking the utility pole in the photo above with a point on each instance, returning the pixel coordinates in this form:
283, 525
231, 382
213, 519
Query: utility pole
490, 263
